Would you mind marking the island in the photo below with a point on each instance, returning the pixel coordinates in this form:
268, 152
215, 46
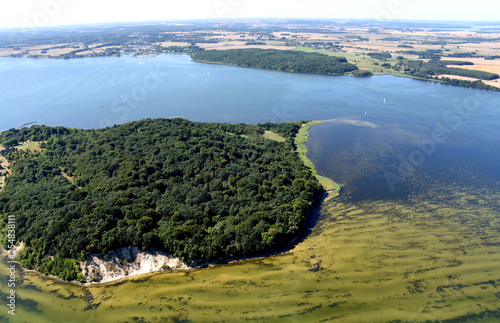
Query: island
185, 192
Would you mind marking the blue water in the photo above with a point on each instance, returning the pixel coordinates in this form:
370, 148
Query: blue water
99, 92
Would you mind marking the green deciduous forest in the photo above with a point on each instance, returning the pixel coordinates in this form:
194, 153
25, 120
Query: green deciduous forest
280, 60
201, 191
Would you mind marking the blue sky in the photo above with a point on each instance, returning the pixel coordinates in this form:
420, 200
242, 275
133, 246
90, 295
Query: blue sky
39, 13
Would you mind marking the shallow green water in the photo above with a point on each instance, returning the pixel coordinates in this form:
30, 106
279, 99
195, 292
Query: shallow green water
379, 261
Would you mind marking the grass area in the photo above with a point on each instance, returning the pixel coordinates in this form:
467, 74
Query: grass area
4, 170
274, 136
300, 142
322, 51
275, 42
34, 146
31, 146
301, 138
328, 184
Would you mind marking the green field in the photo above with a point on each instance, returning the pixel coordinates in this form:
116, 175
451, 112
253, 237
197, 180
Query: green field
273, 136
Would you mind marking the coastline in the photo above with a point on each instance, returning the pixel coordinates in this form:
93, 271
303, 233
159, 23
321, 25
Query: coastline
111, 280
492, 88
331, 187
123, 278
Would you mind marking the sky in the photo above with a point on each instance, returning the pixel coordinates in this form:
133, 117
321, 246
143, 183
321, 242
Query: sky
44, 13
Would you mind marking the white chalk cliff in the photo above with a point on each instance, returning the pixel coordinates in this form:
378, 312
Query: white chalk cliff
127, 261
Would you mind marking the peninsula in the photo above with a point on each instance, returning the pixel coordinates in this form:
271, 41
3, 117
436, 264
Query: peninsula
194, 192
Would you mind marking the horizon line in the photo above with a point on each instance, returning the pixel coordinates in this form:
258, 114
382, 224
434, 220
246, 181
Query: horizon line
223, 19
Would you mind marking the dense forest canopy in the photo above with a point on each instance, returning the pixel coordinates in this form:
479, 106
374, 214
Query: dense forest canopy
202, 191
280, 60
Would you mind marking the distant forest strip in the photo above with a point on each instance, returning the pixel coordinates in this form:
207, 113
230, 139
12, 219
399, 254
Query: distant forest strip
280, 60
477, 84
201, 191
436, 67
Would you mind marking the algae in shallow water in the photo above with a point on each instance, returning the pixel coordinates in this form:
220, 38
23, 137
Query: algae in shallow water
434, 257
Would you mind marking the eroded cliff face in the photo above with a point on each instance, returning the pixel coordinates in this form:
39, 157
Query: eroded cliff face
127, 261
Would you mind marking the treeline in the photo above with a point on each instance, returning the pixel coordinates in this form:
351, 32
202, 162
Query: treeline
432, 70
462, 63
437, 67
424, 54
202, 191
463, 55
281, 60
181, 49
465, 83
380, 56
361, 73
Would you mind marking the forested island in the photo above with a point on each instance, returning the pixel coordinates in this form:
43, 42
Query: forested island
279, 60
205, 192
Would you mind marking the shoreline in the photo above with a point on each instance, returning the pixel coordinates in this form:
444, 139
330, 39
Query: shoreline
121, 279
439, 81
329, 185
